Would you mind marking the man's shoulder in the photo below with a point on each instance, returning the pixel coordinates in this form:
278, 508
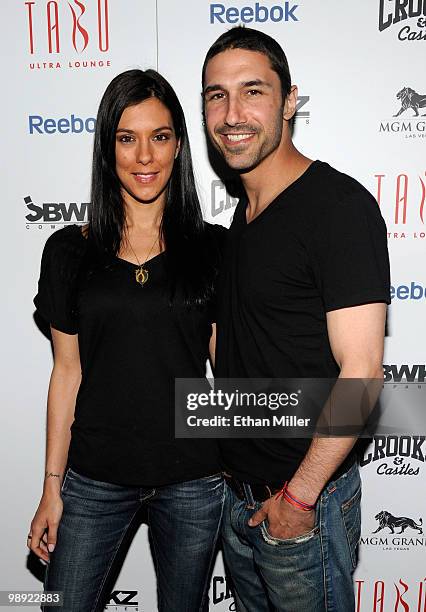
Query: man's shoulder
333, 182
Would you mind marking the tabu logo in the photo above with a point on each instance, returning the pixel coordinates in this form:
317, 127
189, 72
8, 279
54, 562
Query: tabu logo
399, 596
402, 198
393, 12
56, 26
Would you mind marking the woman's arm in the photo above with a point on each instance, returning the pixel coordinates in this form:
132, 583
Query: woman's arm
212, 345
64, 383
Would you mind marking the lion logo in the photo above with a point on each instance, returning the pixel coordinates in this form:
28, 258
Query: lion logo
387, 520
410, 99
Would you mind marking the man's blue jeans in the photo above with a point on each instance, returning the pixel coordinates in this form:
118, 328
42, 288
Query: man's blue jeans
184, 522
310, 573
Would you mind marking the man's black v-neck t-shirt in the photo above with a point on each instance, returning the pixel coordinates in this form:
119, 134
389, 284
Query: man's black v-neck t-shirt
321, 245
133, 344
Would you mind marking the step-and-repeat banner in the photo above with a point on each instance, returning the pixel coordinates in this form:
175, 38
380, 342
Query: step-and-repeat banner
362, 108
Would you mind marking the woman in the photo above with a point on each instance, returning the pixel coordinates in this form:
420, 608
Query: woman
130, 304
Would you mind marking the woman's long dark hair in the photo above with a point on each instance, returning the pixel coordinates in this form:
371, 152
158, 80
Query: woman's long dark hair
182, 228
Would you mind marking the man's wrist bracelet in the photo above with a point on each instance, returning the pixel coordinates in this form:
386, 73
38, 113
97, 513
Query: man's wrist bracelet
291, 499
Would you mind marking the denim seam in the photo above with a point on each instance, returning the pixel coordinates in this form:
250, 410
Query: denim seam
324, 549
213, 548
155, 558
112, 561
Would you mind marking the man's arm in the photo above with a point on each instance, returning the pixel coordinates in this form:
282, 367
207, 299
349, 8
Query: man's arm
356, 337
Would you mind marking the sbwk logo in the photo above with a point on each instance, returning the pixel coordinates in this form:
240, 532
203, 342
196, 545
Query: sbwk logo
392, 12
387, 520
55, 212
46, 21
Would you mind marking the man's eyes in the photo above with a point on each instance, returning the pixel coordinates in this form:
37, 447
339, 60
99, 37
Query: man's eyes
216, 96
220, 95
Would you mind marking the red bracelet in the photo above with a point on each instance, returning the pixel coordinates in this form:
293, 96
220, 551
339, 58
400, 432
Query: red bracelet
285, 493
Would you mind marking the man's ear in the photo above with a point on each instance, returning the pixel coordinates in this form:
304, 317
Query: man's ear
290, 103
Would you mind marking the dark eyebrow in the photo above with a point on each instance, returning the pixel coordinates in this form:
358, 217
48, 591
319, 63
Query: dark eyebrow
159, 129
164, 127
252, 83
256, 83
212, 88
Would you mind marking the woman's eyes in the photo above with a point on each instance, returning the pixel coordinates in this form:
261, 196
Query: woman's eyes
161, 137
126, 138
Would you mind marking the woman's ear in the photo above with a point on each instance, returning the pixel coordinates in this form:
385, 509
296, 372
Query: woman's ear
177, 148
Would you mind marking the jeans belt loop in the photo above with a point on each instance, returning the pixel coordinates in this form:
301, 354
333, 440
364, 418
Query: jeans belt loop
248, 495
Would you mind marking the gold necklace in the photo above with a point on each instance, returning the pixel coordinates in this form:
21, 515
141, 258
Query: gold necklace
141, 273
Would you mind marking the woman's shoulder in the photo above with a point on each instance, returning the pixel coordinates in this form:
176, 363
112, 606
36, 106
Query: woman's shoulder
68, 237
66, 245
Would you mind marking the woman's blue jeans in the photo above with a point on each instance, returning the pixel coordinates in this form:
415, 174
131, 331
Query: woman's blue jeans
184, 523
310, 573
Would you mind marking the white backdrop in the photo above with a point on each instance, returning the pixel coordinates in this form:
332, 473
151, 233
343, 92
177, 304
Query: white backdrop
349, 60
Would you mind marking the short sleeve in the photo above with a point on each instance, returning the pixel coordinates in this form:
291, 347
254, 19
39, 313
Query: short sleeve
351, 255
60, 263
217, 240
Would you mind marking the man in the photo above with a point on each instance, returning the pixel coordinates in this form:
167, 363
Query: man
303, 294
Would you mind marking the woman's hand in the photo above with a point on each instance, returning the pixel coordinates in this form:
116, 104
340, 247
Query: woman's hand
44, 526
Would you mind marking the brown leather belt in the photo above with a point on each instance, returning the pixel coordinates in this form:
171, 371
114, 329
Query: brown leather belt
261, 492
251, 492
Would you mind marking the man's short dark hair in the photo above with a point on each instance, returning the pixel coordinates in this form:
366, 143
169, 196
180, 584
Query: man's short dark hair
253, 40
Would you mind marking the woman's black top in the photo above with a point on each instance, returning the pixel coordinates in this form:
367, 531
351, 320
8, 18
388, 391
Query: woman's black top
133, 344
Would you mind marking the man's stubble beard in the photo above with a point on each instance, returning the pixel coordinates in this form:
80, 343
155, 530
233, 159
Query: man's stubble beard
244, 163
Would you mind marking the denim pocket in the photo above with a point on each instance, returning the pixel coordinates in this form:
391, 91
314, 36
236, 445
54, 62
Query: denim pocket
65, 481
301, 539
351, 514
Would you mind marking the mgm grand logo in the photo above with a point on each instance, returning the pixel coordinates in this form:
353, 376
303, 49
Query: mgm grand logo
410, 102
388, 524
395, 455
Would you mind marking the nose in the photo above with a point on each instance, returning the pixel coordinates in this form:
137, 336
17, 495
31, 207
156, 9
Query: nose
235, 113
144, 152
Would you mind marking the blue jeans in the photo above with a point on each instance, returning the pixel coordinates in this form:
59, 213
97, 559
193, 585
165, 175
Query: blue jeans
310, 573
184, 524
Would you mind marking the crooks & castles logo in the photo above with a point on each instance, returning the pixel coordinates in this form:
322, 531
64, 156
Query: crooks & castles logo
67, 35
220, 593
396, 455
407, 16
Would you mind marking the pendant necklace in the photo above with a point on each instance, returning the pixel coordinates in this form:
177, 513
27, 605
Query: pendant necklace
141, 273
